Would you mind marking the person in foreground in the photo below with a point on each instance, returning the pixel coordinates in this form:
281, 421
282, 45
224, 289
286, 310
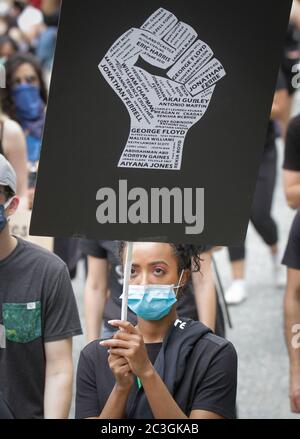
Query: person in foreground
38, 319
163, 368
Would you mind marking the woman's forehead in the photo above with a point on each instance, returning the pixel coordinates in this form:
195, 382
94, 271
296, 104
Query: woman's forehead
24, 69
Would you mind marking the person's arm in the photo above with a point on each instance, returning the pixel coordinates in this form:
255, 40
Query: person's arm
295, 13
164, 406
95, 296
205, 292
130, 345
58, 380
116, 403
14, 145
292, 317
292, 188
280, 104
60, 323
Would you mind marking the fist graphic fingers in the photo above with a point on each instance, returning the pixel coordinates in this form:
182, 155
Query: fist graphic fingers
163, 105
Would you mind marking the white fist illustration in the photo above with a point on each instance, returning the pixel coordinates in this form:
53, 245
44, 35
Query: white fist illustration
164, 106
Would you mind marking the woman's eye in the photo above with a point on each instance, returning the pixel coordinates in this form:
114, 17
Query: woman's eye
31, 79
158, 271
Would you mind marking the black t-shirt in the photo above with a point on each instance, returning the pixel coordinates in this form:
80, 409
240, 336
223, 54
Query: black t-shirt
5, 412
37, 306
213, 373
291, 40
153, 350
292, 147
292, 253
292, 163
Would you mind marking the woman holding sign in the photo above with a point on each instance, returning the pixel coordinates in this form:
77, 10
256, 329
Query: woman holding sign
163, 368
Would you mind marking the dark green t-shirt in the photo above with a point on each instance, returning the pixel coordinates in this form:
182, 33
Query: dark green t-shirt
37, 306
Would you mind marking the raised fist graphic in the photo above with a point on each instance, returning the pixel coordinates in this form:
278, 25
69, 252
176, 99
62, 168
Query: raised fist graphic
166, 77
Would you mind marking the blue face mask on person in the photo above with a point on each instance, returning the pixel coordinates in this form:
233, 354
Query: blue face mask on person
28, 102
3, 219
152, 302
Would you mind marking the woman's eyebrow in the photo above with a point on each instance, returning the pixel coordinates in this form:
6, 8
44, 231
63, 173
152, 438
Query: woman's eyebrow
158, 262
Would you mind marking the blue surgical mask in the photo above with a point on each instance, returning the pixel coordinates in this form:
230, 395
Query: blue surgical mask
152, 302
3, 219
28, 102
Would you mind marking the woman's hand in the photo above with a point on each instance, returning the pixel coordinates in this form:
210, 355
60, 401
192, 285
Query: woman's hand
121, 371
129, 344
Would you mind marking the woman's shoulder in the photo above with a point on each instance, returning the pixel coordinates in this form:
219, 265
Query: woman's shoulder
219, 349
93, 351
11, 127
209, 341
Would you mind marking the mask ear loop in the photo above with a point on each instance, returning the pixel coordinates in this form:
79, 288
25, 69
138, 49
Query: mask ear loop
7, 204
179, 282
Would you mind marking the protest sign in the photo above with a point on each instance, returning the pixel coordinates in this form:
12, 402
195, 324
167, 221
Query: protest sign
157, 119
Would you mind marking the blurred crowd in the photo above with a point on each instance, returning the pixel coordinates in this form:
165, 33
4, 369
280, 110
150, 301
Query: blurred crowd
28, 32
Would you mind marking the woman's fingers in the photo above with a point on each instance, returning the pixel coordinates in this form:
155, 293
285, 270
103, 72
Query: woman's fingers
116, 361
116, 343
124, 370
122, 335
126, 353
126, 326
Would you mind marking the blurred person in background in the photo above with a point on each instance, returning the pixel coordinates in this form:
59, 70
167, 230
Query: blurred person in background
4, 26
261, 217
11, 39
13, 147
5, 7
24, 100
291, 59
26, 23
292, 259
47, 39
8, 48
33, 26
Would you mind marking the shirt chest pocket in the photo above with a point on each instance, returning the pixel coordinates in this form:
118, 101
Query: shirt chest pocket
22, 321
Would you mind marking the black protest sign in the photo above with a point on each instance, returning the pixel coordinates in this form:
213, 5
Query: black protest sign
157, 119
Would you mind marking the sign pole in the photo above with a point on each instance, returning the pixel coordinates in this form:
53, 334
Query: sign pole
127, 272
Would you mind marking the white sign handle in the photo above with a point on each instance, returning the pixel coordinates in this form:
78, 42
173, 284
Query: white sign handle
127, 273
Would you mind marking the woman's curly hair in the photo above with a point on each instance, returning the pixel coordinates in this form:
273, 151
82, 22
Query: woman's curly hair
188, 256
